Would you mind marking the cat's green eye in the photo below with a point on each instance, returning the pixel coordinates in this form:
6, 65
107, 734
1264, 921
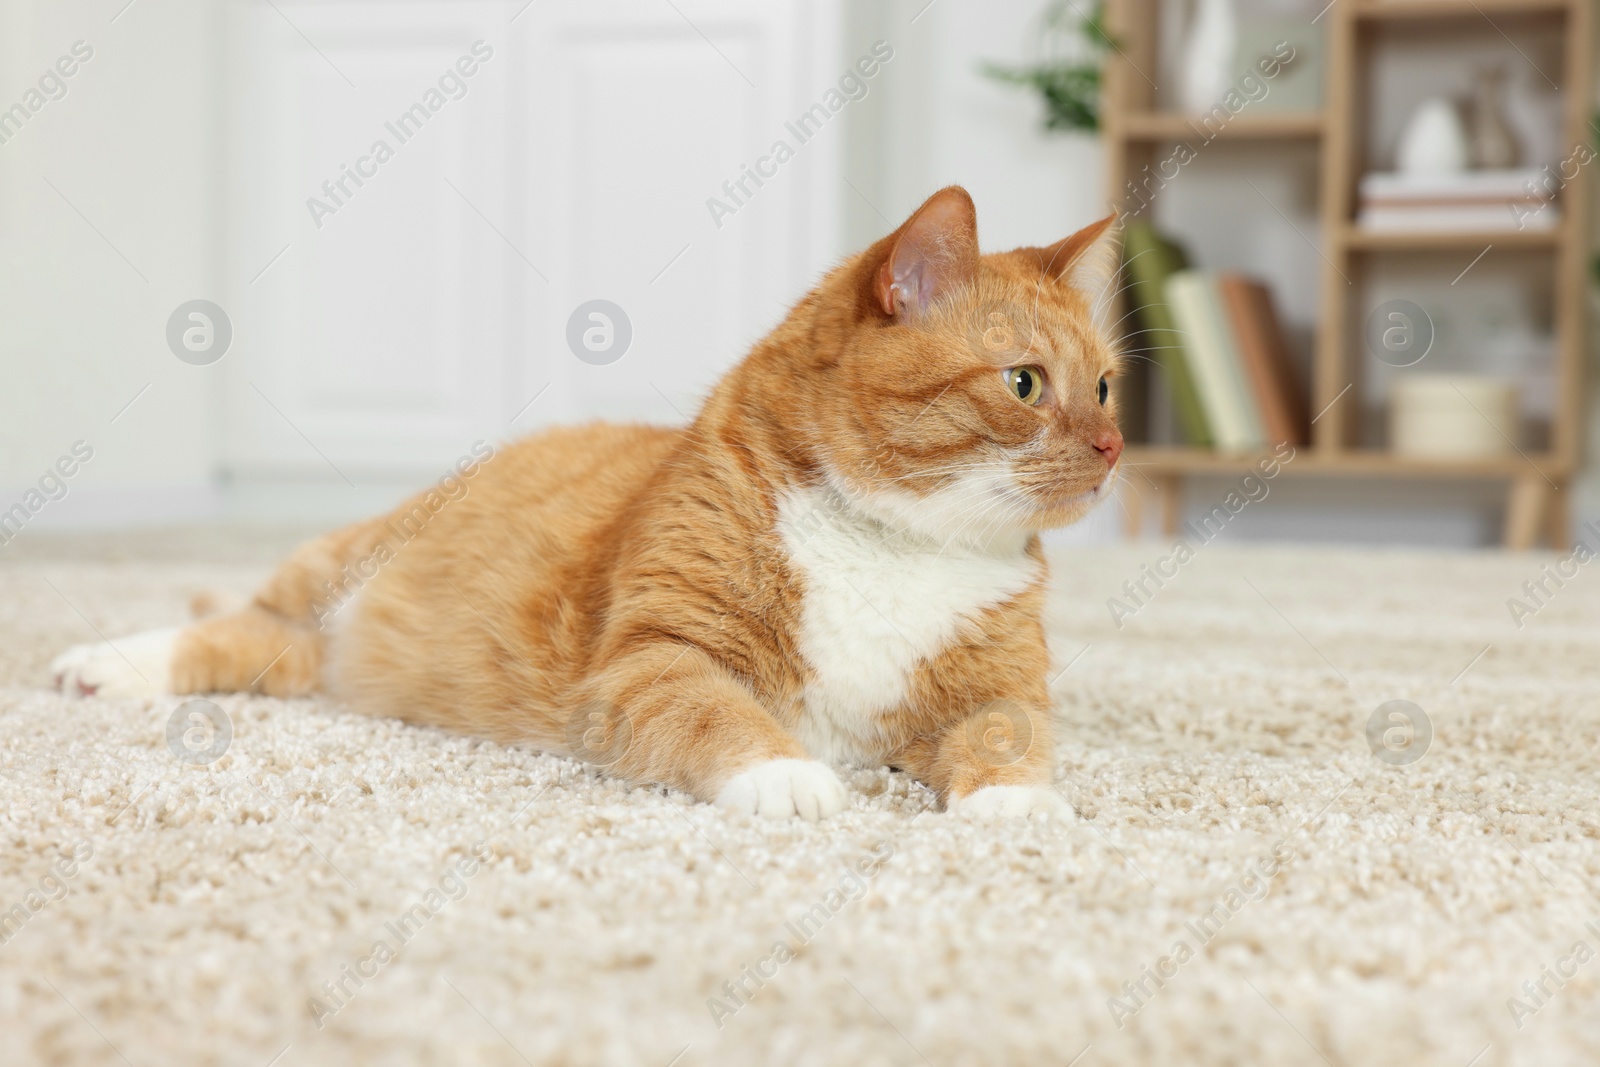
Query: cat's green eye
1105, 391
1025, 383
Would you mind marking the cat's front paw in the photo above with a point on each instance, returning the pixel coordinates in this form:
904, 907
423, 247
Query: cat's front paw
1011, 802
135, 666
780, 788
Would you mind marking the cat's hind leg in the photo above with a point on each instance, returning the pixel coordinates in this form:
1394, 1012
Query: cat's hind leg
275, 645
136, 665
250, 650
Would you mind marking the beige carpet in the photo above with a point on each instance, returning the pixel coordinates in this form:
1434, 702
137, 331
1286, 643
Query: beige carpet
1227, 720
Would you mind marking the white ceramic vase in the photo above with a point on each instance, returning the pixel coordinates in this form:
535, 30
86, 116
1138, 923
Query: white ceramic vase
1434, 140
1207, 68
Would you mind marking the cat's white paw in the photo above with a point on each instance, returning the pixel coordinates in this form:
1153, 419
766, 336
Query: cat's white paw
1012, 802
781, 788
135, 666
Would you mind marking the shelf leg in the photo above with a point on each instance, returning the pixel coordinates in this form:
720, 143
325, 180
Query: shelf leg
1171, 490
1559, 516
1166, 492
1132, 499
1527, 508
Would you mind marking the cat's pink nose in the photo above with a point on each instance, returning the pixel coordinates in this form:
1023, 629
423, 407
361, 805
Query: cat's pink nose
1109, 445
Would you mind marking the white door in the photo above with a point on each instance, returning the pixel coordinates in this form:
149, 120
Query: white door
383, 324
638, 114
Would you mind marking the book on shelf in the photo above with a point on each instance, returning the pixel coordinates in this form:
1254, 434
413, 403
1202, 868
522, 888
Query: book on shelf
1517, 199
1264, 350
1209, 345
1149, 259
1233, 339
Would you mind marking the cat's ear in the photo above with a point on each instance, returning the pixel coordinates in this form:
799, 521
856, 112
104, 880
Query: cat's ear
934, 252
1088, 261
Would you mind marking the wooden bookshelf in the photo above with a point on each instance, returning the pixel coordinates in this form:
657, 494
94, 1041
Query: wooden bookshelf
1463, 9
1354, 239
1537, 484
1154, 126
1354, 462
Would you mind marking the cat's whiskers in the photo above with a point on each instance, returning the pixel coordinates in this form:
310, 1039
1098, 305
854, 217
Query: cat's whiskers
939, 503
955, 468
965, 495
1001, 492
993, 503
1118, 293
1123, 505
1132, 312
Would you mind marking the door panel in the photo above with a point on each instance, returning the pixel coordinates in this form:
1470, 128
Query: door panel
382, 325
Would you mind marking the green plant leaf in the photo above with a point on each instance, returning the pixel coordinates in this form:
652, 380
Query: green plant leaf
1070, 89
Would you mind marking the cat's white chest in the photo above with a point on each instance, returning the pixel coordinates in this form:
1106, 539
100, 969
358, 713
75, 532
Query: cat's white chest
875, 606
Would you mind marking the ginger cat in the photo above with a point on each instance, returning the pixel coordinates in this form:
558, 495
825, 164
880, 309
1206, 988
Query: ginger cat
837, 562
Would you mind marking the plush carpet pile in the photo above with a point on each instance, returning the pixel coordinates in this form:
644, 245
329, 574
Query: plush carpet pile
1332, 906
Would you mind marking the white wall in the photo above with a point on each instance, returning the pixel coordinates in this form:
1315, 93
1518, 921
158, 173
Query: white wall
109, 202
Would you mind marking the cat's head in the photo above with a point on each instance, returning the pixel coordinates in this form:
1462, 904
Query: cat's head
969, 397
